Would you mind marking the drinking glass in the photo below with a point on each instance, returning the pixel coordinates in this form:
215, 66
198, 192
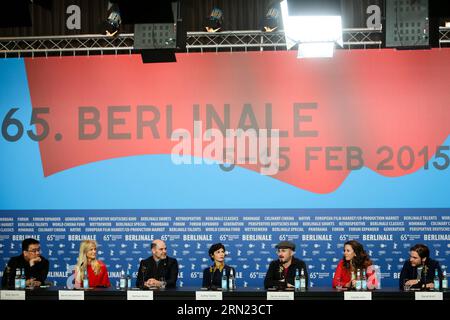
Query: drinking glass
406, 286
31, 284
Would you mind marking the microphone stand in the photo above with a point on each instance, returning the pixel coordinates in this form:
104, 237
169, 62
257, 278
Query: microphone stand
143, 272
424, 281
163, 272
211, 287
282, 282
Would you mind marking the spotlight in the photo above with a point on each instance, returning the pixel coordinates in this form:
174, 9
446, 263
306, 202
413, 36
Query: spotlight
271, 19
215, 20
315, 28
112, 23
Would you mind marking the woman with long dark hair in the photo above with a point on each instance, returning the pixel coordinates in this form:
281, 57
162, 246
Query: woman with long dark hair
88, 265
355, 258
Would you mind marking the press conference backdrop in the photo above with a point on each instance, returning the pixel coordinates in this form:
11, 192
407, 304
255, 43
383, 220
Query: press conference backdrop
363, 150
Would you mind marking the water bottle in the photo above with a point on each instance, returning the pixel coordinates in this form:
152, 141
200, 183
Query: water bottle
353, 278
17, 279
231, 281
128, 279
123, 281
297, 280
224, 279
23, 280
358, 285
436, 281
364, 280
302, 280
444, 280
85, 280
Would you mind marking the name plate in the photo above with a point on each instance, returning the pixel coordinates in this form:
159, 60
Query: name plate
280, 295
139, 295
429, 295
12, 295
351, 295
208, 295
70, 295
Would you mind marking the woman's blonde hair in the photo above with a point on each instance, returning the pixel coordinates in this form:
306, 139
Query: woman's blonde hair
82, 261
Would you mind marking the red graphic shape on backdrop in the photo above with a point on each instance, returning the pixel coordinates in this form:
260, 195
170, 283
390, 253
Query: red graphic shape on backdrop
365, 98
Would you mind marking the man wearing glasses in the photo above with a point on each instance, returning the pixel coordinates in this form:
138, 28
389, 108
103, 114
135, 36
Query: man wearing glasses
31, 262
282, 272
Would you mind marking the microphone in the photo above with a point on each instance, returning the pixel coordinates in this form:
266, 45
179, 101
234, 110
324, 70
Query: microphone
211, 275
423, 278
281, 285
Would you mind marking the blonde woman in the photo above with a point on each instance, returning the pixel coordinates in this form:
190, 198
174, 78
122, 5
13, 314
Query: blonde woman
88, 264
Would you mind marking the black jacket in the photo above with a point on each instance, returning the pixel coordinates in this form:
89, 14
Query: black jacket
410, 273
273, 275
167, 268
216, 279
38, 271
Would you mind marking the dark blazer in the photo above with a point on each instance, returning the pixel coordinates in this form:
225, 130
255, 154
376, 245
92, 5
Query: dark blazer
273, 275
410, 273
167, 268
216, 279
38, 271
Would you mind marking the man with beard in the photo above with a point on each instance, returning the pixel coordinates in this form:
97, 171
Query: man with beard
420, 270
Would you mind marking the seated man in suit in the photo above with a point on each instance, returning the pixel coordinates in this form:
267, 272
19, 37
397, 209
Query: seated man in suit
159, 270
